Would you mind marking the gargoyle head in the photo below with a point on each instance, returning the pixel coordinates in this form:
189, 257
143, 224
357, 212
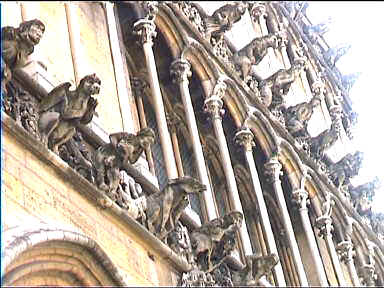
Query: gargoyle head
146, 137
90, 84
188, 184
233, 218
32, 31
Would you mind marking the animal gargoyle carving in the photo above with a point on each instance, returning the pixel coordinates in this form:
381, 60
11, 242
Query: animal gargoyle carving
123, 150
16, 45
164, 207
277, 86
346, 168
64, 110
207, 237
223, 18
254, 52
256, 266
324, 141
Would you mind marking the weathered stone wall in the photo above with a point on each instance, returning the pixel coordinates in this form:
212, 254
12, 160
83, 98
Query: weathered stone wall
34, 191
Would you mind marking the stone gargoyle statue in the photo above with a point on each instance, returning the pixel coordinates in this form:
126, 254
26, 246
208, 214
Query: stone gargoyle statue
297, 117
319, 144
277, 85
223, 18
256, 266
123, 150
332, 55
346, 168
164, 207
16, 45
206, 239
254, 52
362, 196
315, 31
63, 110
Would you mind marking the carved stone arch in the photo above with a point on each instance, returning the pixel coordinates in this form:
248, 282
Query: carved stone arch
292, 163
44, 253
264, 133
204, 66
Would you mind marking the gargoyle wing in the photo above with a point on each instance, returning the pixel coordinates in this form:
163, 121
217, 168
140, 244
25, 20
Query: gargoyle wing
8, 33
57, 95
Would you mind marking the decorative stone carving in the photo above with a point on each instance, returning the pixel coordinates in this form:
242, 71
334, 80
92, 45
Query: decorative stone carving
325, 140
214, 103
193, 15
332, 55
256, 266
254, 52
346, 168
377, 224
223, 18
276, 87
324, 222
349, 80
197, 278
244, 137
16, 45
345, 250
150, 8
349, 121
314, 32
180, 70
297, 117
76, 154
165, 207
222, 276
213, 241
257, 10
123, 150
178, 240
362, 196
63, 110
146, 30
221, 50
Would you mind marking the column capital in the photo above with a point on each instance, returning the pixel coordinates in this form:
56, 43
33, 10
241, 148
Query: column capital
300, 198
273, 169
146, 30
345, 250
257, 10
180, 70
214, 103
324, 223
318, 89
138, 86
367, 272
151, 9
244, 137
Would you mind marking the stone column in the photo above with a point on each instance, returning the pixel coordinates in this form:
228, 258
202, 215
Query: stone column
173, 124
273, 171
145, 28
181, 71
139, 86
300, 197
118, 66
258, 15
345, 250
324, 223
245, 138
214, 105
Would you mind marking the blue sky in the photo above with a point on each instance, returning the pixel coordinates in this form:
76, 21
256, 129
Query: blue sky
361, 24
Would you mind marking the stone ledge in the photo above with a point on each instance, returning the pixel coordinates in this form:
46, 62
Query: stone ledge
88, 190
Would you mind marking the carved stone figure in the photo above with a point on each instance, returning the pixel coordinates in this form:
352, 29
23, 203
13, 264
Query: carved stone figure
277, 86
324, 141
377, 223
254, 52
349, 80
314, 32
76, 154
297, 117
63, 110
178, 240
222, 276
164, 207
332, 55
207, 238
197, 278
16, 45
346, 168
223, 18
256, 266
327, 205
123, 150
362, 196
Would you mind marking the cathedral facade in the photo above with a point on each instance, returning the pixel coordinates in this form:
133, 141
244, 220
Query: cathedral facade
177, 143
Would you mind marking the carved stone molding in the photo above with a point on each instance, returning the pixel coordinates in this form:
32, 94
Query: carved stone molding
139, 86
146, 30
151, 9
257, 10
180, 70
245, 137
324, 223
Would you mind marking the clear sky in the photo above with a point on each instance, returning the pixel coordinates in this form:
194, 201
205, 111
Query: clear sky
361, 24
